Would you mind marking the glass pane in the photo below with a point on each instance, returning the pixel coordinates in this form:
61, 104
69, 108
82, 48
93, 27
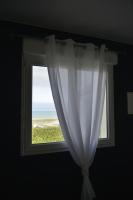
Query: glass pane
45, 124
103, 133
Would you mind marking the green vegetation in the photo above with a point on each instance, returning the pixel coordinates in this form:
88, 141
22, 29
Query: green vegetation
46, 134
48, 130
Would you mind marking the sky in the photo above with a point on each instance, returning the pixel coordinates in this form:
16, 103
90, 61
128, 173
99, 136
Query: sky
41, 90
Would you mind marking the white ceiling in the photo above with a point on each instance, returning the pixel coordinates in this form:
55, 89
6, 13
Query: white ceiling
108, 19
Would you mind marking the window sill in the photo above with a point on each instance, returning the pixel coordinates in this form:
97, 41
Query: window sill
36, 149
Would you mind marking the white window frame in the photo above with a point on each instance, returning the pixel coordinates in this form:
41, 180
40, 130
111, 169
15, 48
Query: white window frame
27, 148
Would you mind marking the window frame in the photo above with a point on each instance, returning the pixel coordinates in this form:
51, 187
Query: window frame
27, 148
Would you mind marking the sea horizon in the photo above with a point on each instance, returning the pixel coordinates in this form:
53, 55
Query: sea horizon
44, 114
43, 110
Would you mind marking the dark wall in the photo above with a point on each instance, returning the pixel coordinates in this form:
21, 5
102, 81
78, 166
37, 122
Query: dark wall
51, 175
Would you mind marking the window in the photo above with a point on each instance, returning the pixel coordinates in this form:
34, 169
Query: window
41, 132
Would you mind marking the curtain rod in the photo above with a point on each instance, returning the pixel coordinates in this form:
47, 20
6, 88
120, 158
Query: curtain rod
80, 44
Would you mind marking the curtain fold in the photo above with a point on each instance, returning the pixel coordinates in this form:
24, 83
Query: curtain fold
78, 80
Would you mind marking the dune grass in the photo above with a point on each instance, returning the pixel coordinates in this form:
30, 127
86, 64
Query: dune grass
48, 130
46, 134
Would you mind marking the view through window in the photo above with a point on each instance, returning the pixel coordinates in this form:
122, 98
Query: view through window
45, 124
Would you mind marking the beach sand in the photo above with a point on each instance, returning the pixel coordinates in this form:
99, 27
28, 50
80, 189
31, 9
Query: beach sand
41, 122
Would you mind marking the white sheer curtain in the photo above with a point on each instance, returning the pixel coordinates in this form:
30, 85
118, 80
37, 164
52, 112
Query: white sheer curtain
78, 79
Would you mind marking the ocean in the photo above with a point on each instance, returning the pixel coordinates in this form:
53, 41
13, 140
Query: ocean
44, 114
43, 110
